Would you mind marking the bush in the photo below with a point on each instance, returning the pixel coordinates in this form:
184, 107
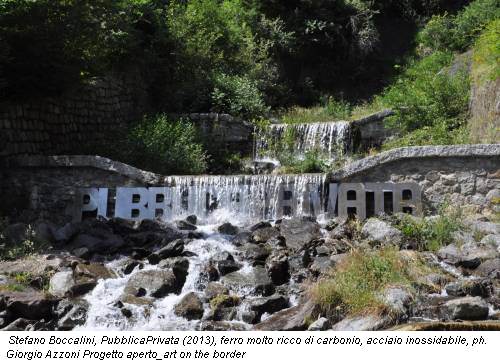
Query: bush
167, 147
426, 94
457, 33
238, 96
486, 58
431, 234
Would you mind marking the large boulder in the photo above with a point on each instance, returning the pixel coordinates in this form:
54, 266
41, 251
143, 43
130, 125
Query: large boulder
466, 308
172, 249
468, 256
155, 283
380, 233
473, 287
262, 235
228, 228
490, 268
61, 283
398, 300
298, 232
190, 307
256, 253
214, 289
270, 305
34, 265
278, 268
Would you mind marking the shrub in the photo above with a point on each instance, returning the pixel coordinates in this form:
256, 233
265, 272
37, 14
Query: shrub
30, 245
457, 33
167, 147
425, 94
486, 58
238, 96
431, 234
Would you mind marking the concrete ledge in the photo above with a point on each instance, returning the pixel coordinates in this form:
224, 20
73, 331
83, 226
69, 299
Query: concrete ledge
416, 152
85, 161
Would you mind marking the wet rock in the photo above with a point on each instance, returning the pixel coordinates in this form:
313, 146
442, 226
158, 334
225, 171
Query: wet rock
157, 283
208, 273
172, 249
179, 265
278, 268
227, 266
379, 233
192, 219
369, 322
264, 234
71, 314
139, 253
129, 268
185, 226
241, 239
321, 324
466, 308
228, 228
290, 319
490, 268
257, 282
86, 276
214, 289
190, 307
222, 307
268, 305
255, 253
477, 287
298, 232
126, 313
259, 225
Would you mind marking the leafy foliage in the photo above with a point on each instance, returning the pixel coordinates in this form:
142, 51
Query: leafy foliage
166, 146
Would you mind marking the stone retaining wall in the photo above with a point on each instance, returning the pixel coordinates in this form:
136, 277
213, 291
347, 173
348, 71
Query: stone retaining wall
68, 123
462, 175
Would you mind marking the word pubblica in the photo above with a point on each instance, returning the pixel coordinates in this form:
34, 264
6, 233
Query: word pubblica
271, 200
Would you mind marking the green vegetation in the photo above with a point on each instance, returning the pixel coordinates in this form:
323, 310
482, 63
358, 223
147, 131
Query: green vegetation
355, 285
30, 245
168, 147
431, 234
486, 57
224, 301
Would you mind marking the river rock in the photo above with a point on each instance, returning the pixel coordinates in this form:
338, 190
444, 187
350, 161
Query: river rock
490, 268
476, 287
71, 313
241, 238
228, 228
299, 232
466, 308
270, 305
468, 256
105, 241
214, 289
31, 304
278, 268
34, 265
368, 322
290, 319
157, 283
321, 265
255, 281
190, 307
264, 234
61, 283
321, 324
185, 226
255, 252
380, 233
222, 326
227, 266
172, 249
398, 300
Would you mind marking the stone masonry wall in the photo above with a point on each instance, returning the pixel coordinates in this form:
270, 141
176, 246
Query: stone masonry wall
68, 123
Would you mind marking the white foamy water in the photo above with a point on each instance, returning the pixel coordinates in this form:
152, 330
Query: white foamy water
103, 314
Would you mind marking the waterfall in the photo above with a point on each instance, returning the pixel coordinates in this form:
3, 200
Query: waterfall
245, 197
327, 137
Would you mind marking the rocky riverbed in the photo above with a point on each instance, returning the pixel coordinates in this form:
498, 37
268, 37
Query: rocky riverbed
153, 275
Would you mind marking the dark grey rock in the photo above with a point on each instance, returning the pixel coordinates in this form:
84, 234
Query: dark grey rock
190, 307
298, 232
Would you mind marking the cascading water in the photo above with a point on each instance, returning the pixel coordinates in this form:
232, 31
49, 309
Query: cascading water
246, 197
330, 138
241, 200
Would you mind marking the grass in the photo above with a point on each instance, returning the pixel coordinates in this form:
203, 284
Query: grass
431, 234
354, 287
29, 246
